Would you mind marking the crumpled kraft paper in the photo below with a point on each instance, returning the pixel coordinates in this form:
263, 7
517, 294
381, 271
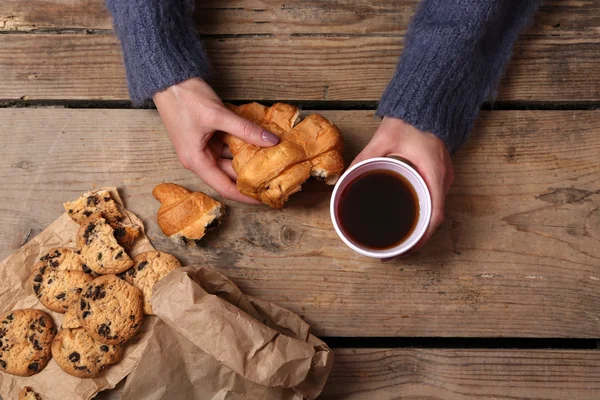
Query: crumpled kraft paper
52, 383
213, 342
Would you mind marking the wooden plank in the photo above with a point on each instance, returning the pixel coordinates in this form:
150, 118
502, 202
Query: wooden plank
518, 255
386, 374
382, 374
235, 17
18, 15
89, 67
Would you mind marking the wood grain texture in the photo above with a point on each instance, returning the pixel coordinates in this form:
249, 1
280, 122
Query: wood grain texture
89, 67
518, 255
382, 374
418, 374
234, 17
18, 15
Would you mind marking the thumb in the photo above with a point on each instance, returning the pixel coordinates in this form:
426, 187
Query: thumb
246, 130
375, 148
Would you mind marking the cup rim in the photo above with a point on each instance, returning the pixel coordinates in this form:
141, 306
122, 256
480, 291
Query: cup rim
414, 237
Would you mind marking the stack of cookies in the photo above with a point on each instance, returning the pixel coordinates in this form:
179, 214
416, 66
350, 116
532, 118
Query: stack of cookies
102, 291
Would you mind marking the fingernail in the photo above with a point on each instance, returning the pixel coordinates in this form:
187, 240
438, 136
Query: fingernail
269, 137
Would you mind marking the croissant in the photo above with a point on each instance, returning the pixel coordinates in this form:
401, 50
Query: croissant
313, 147
186, 216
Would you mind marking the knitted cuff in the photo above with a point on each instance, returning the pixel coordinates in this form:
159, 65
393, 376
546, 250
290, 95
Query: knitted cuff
454, 56
160, 45
435, 91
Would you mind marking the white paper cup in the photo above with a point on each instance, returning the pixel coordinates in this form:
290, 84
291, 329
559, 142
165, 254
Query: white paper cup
412, 176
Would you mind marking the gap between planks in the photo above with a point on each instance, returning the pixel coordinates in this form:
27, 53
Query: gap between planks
334, 105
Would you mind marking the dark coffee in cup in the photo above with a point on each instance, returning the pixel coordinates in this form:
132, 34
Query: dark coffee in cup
380, 207
378, 210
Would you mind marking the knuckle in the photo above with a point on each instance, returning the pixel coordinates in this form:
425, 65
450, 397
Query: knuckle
249, 130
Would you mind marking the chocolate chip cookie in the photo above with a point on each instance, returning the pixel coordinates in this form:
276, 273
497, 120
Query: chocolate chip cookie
96, 241
70, 320
111, 310
125, 234
149, 268
78, 354
58, 290
89, 203
28, 394
25, 339
64, 258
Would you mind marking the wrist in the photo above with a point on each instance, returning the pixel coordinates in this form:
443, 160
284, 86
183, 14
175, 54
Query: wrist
394, 123
178, 89
401, 132
159, 51
193, 92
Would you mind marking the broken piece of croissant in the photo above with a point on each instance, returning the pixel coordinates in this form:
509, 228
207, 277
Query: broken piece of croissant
186, 216
313, 147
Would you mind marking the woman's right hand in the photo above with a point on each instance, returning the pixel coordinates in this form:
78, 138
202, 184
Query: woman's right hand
426, 152
192, 112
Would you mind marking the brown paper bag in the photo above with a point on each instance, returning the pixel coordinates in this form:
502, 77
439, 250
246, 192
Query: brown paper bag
214, 342
52, 383
217, 343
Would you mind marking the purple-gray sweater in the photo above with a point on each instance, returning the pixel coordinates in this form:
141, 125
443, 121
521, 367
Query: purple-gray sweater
454, 54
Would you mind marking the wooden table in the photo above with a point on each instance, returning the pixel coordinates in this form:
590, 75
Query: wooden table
518, 256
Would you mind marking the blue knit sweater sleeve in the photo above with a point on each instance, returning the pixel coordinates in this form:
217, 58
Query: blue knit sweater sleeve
160, 45
454, 55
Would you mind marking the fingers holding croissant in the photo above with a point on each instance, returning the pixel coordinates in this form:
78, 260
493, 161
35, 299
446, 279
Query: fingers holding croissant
311, 148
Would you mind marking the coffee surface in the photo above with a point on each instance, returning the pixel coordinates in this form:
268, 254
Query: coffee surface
378, 210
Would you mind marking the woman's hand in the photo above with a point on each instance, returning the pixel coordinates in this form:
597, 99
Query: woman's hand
192, 113
425, 151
